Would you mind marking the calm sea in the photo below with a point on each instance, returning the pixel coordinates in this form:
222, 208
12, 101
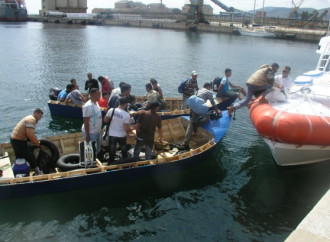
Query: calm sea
238, 194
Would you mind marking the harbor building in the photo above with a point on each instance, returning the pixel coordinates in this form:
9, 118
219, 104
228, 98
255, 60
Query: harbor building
64, 6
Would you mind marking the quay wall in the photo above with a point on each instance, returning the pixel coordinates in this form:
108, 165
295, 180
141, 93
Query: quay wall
310, 35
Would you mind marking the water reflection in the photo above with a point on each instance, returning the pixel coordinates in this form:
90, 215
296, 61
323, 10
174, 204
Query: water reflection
70, 125
267, 203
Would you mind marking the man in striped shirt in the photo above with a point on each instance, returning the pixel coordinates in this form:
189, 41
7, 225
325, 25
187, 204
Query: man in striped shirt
189, 89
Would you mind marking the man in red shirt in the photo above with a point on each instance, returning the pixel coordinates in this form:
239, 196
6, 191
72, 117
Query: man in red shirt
103, 103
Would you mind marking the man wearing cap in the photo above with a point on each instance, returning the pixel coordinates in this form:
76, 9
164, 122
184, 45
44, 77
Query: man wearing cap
189, 89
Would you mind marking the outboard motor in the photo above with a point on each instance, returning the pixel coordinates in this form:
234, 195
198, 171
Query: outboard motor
53, 93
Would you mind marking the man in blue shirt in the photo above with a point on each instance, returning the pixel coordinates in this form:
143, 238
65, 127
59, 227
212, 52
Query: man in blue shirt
224, 91
63, 94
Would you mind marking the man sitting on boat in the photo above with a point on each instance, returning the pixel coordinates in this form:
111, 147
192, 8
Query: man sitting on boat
262, 80
156, 87
281, 87
24, 131
145, 131
92, 117
153, 96
75, 97
64, 93
224, 91
284, 81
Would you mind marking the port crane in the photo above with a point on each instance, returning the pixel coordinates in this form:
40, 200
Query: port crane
195, 12
296, 6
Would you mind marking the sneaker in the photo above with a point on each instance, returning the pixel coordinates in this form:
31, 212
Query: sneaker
37, 171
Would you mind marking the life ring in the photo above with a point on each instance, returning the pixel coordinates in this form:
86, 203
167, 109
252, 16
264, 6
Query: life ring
68, 162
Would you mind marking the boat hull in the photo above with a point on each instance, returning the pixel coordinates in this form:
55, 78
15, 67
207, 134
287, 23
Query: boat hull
100, 176
15, 15
292, 155
262, 34
100, 179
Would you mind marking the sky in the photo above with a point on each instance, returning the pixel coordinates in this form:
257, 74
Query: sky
34, 6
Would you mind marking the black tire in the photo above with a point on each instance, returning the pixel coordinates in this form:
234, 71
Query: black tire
51, 150
69, 162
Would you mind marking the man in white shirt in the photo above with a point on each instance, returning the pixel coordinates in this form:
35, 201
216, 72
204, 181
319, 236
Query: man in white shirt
284, 81
92, 117
119, 128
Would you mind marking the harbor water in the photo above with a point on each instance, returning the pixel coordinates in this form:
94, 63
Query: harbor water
238, 194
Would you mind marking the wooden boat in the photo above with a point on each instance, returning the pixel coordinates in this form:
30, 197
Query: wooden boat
297, 130
173, 108
202, 144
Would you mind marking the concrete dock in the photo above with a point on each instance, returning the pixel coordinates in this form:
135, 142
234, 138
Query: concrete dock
316, 225
294, 33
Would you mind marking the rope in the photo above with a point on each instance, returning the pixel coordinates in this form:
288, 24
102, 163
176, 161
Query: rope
320, 113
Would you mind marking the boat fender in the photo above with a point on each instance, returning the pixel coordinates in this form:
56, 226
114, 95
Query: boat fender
47, 156
69, 162
50, 148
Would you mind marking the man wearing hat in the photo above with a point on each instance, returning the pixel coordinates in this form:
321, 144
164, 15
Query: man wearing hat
189, 89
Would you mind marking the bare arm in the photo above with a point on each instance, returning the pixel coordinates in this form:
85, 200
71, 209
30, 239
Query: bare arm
220, 90
127, 129
32, 137
160, 133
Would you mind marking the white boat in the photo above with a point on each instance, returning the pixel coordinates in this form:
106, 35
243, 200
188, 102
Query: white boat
256, 32
297, 130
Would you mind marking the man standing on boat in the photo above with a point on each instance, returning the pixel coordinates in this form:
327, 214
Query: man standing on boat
189, 89
92, 117
224, 91
23, 132
91, 82
260, 81
145, 131
119, 128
